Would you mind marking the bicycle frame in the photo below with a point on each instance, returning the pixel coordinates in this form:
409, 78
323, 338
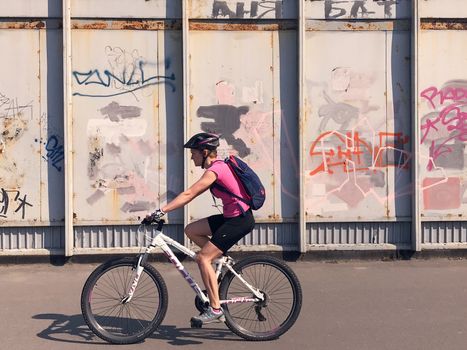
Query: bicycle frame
164, 242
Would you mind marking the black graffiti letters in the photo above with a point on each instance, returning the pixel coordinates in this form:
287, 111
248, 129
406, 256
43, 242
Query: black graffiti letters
4, 202
258, 9
55, 152
20, 200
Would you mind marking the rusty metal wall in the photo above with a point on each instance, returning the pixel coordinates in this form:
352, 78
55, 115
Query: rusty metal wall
442, 100
355, 143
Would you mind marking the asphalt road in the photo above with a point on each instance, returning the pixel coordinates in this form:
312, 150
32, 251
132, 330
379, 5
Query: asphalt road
417, 304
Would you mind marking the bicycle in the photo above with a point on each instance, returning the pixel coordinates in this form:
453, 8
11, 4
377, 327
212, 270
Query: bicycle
124, 300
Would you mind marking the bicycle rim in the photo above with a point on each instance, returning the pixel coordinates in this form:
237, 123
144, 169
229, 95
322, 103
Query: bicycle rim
119, 322
271, 318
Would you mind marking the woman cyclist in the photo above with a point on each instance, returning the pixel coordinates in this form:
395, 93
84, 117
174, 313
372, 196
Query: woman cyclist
217, 233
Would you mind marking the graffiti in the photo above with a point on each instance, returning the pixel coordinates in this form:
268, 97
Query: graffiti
10, 108
352, 153
115, 112
257, 9
119, 160
128, 73
357, 8
55, 152
341, 113
359, 152
226, 123
444, 128
5, 200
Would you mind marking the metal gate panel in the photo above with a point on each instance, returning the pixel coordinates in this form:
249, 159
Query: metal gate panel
357, 9
117, 135
396, 150
126, 8
350, 235
442, 109
355, 130
444, 233
232, 94
170, 107
35, 8
443, 8
248, 9
286, 149
51, 139
20, 149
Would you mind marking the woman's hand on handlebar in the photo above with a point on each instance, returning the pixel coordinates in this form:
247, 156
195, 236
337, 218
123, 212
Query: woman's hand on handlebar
153, 217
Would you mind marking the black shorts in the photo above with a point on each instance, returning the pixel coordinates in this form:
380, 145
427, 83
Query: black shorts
228, 231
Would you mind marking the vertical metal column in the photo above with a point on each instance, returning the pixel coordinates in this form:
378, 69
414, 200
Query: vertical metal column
68, 128
301, 121
416, 219
186, 103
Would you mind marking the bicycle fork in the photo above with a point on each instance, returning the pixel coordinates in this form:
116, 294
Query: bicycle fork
136, 275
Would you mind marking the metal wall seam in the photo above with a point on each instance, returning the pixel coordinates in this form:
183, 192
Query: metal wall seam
68, 128
416, 219
301, 115
186, 103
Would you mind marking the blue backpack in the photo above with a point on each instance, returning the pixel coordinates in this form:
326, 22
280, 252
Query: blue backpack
249, 180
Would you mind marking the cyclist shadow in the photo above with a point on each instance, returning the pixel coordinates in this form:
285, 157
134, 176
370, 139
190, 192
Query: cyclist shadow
73, 329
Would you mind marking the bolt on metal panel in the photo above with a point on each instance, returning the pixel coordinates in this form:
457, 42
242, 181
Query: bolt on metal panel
117, 77
357, 9
443, 108
126, 8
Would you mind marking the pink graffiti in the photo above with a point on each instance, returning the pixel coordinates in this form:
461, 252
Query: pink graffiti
451, 120
448, 93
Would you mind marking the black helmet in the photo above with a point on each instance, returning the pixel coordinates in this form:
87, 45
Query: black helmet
203, 140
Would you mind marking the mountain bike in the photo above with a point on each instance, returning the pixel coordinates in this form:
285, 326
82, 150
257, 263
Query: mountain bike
124, 300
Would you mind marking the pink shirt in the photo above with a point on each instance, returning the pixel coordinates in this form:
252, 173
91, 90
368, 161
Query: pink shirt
227, 179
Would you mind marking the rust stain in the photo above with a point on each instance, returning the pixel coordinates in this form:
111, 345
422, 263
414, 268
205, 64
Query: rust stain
460, 24
136, 24
195, 25
22, 25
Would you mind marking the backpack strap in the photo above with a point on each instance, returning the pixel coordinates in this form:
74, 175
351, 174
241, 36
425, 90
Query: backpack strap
225, 190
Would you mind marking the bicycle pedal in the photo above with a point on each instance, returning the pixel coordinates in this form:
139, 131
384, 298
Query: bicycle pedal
196, 324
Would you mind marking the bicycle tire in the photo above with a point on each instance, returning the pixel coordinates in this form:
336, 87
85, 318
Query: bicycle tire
123, 323
274, 278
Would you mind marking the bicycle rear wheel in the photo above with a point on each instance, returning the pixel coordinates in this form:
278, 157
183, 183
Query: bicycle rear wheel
108, 316
267, 319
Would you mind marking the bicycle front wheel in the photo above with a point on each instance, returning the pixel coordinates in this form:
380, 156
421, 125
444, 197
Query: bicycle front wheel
267, 319
105, 310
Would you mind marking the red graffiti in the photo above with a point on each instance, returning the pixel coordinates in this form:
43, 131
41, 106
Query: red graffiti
450, 124
352, 149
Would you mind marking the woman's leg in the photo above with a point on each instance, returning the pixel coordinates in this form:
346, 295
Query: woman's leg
204, 258
199, 232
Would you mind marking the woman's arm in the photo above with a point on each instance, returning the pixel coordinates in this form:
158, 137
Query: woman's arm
195, 190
